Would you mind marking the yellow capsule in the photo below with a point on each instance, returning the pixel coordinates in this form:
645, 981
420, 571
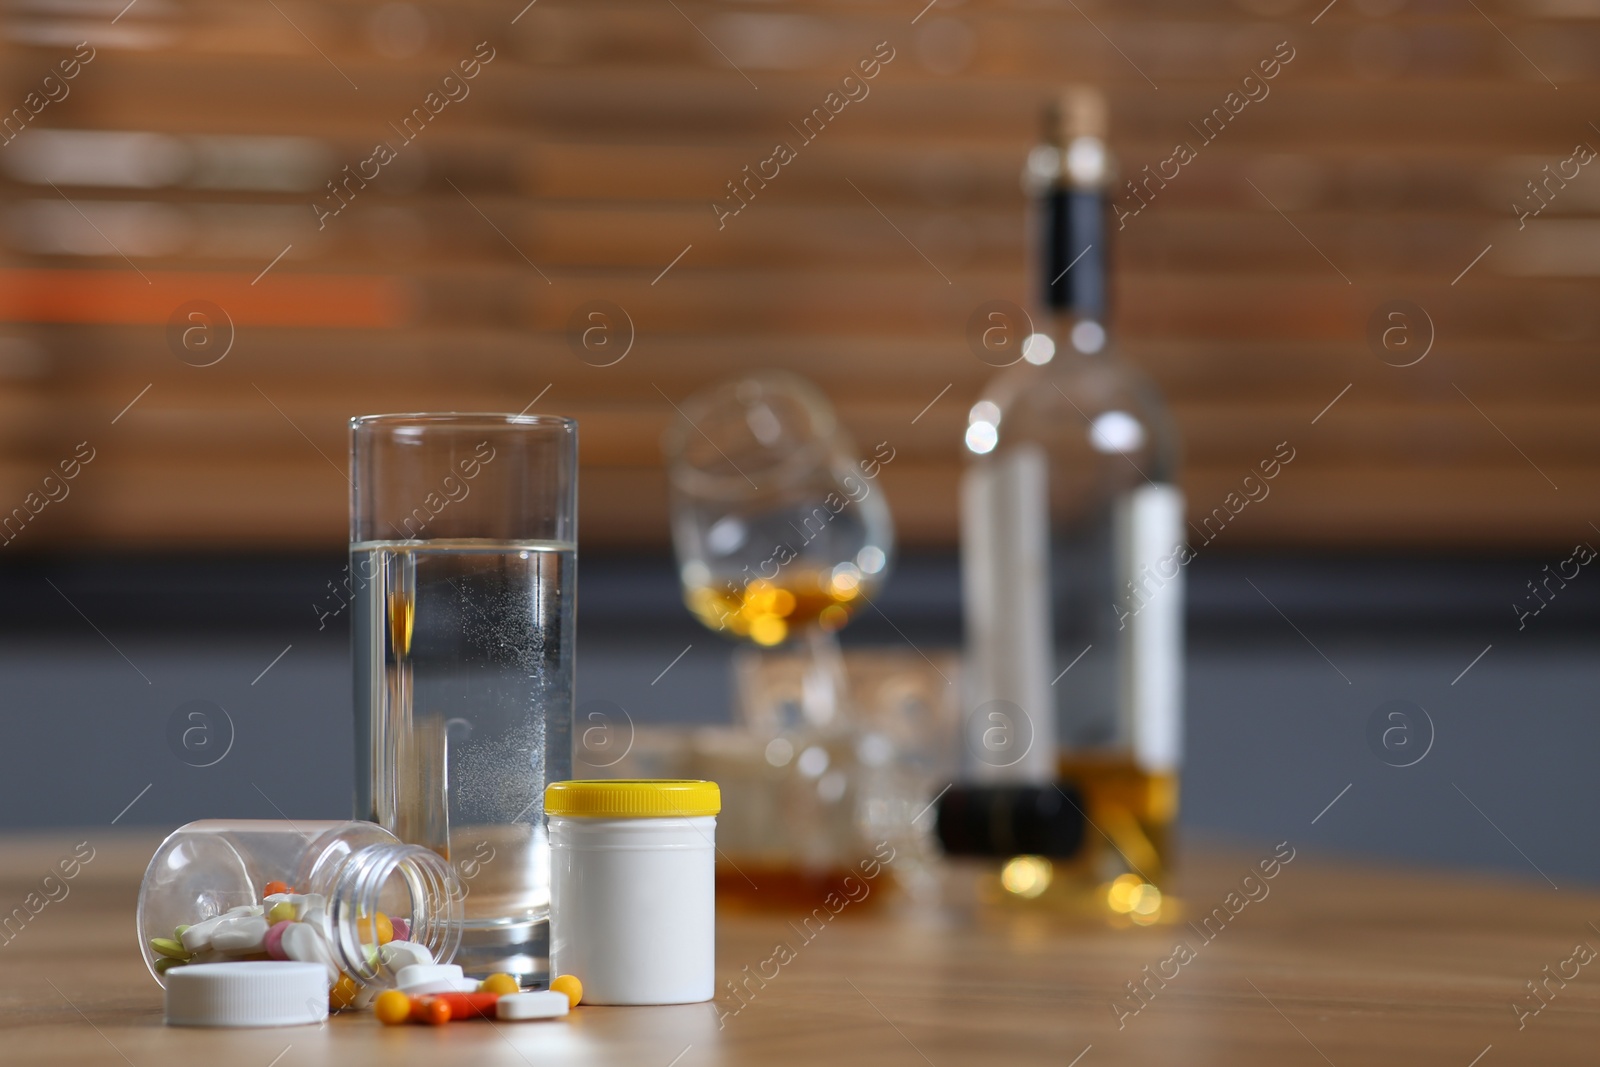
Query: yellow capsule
379, 922
282, 911
568, 984
501, 983
392, 1007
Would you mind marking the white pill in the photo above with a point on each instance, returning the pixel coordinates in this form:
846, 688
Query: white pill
241, 936
441, 985
436, 985
302, 942
198, 936
541, 1005
417, 973
397, 955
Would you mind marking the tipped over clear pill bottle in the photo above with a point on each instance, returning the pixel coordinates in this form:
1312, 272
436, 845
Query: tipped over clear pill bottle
633, 888
348, 872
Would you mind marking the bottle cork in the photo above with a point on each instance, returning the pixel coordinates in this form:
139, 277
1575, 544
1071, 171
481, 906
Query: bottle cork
1079, 111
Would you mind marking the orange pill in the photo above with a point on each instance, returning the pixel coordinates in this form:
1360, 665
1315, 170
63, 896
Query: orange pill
431, 1010
464, 1006
274, 887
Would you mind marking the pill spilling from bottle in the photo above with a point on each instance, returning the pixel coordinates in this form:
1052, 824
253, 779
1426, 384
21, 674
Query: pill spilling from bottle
438, 994
395, 1007
289, 926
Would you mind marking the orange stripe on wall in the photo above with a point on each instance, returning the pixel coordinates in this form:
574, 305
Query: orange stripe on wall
122, 297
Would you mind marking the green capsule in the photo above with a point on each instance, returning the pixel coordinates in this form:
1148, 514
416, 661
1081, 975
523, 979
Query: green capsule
171, 948
166, 963
177, 933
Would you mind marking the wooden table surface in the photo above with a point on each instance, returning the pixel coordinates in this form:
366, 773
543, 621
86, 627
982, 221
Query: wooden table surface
1336, 964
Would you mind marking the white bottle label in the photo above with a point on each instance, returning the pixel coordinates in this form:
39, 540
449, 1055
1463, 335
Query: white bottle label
1149, 538
1010, 722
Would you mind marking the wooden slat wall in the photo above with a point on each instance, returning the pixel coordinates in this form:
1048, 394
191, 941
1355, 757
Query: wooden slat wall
1394, 145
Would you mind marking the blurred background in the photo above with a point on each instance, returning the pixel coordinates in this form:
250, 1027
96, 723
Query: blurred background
201, 280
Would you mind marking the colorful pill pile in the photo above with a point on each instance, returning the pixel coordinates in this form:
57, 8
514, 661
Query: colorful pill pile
421, 998
293, 926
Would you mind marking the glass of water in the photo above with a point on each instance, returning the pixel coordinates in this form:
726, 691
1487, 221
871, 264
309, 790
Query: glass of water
463, 564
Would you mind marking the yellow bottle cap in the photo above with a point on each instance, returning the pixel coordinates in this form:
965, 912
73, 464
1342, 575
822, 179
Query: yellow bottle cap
633, 798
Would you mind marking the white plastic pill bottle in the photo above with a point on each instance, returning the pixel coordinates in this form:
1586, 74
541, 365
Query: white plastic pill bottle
633, 888
344, 873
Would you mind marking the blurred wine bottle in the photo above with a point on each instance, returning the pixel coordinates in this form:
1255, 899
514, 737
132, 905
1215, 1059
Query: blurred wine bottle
1072, 541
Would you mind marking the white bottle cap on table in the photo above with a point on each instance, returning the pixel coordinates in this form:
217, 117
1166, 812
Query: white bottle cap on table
247, 993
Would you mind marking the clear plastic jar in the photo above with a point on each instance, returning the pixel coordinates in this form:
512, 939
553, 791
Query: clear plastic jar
359, 869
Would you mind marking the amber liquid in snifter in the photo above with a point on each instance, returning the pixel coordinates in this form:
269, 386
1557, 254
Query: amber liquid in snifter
769, 612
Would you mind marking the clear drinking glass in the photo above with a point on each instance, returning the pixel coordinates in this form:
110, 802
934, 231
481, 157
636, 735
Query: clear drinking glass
463, 563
